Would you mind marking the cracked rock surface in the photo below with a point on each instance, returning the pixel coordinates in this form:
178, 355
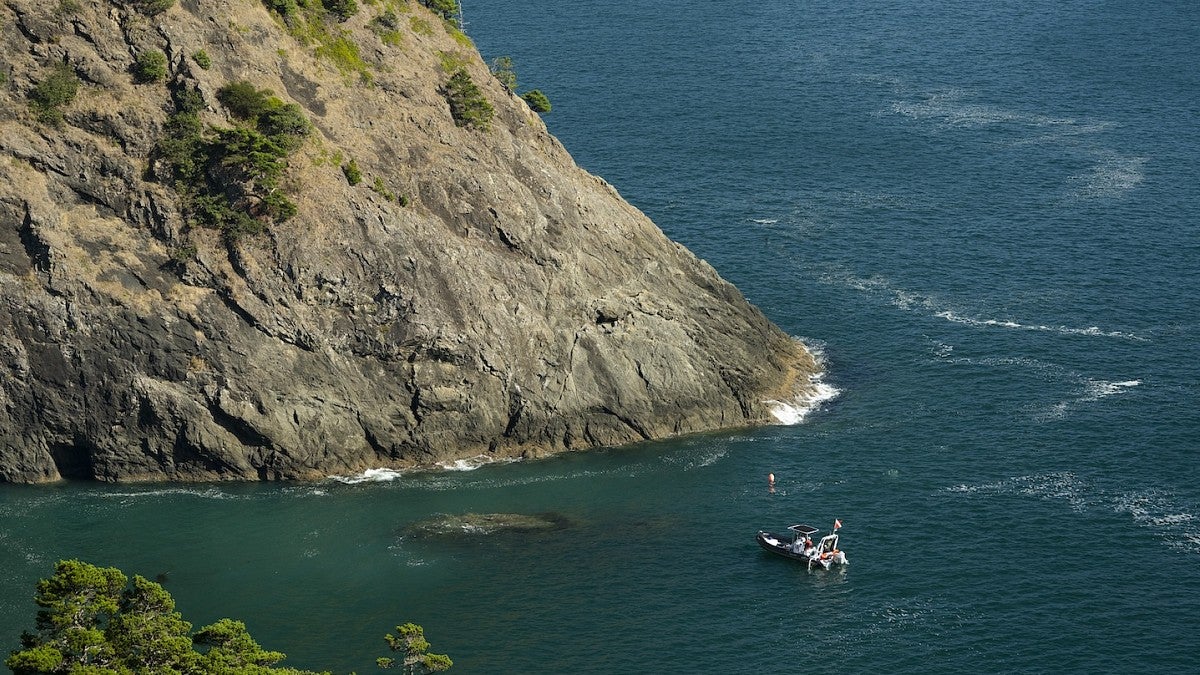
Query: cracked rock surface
515, 306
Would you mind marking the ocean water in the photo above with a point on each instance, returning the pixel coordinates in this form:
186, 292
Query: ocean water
985, 216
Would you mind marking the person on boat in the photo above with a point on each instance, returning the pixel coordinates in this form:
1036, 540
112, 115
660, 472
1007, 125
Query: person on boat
808, 546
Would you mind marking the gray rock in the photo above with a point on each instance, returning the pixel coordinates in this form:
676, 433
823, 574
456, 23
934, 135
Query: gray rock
516, 307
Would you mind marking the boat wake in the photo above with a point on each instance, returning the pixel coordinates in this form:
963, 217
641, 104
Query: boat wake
1158, 510
127, 496
1085, 390
1061, 330
1111, 176
930, 305
1093, 390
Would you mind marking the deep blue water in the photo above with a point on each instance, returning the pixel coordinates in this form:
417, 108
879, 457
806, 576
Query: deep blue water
984, 215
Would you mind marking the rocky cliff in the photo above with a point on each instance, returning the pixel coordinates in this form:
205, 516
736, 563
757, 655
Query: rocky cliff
475, 294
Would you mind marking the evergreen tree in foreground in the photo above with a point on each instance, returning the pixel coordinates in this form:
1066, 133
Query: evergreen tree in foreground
95, 621
410, 639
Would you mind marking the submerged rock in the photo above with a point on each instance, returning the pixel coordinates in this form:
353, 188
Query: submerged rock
485, 523
476, 293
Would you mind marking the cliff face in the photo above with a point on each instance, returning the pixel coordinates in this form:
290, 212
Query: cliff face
515, 306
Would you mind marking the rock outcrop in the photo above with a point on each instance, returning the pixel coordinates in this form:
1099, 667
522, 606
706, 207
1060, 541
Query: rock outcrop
513, 306
469, 526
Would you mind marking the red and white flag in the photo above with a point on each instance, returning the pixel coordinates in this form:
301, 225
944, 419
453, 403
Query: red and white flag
836, 524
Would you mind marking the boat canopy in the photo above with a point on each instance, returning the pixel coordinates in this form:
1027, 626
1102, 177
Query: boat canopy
804, 530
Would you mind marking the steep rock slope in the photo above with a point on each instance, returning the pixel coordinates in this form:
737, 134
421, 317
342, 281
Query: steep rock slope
513, 306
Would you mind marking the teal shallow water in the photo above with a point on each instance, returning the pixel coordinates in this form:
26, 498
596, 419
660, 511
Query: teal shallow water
986, 217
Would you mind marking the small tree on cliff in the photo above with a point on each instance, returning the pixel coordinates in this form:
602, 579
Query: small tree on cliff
468, 106
410, 639
447, 9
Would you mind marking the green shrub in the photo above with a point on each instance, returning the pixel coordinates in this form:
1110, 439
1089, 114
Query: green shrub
288, 9
306, 20
447, 9
452, 62
382, 190
342, 9
502, 68
387, 26
202, 59
420, 26
153, 7
538, 102
244, 100
468, 107
387, 20
229, 178
286, 124
265, 110
343, 53
56, 90
459, 36
188, 100
353, 174
182, 254
150, 66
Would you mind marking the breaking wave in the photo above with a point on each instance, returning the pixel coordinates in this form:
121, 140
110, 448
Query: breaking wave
370, 476
472, 463
383, 475
795, 410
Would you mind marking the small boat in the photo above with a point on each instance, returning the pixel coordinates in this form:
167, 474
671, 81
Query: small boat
798, 545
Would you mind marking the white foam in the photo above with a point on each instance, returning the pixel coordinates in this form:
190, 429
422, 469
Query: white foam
1098, 389
951, 108
1062, 485
1017, 325
943, 350
912, 301
698, 456
795, 410
764, 221
1112, 176
1092, 390
1161, 512
210, 493
473, 463
1157, 510
370, 476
